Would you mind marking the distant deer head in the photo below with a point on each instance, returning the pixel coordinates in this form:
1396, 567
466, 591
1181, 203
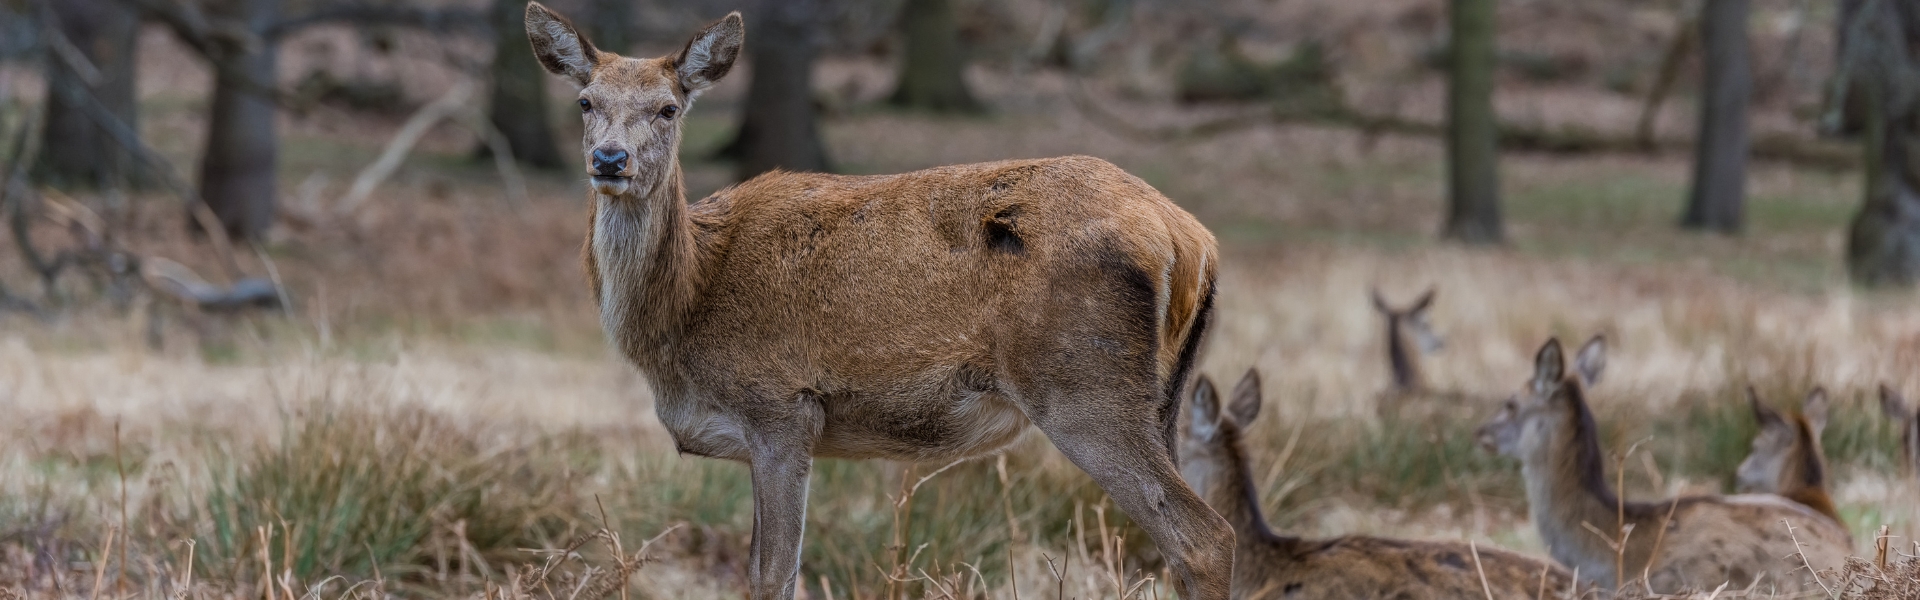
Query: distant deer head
1786, 458
1408, 335
1908, 417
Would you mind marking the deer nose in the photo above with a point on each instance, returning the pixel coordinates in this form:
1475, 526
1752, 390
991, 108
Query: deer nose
609, 162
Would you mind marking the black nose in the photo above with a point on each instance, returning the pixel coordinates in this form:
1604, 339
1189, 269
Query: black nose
609, 163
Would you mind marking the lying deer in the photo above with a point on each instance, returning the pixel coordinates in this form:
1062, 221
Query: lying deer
1908, 417
1786, 458
925, 316
1214, 459
1694, 542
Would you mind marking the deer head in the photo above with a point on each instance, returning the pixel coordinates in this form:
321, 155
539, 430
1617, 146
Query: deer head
633, 107
1554, 397
1908, 417
1785, 452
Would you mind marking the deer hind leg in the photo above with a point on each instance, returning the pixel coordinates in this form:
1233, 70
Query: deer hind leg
1124, 453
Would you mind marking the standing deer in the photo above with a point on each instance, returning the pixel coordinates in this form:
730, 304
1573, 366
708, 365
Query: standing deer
1786, 458
925, 316
1408, 337
1214, 459
1694, 542
1908, 417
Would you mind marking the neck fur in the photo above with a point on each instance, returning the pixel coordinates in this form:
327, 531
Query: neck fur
1403, 357
1567, 490
1804, 477
642, 254
1234, 495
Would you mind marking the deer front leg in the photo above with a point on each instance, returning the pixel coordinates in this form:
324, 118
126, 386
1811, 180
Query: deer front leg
781, 461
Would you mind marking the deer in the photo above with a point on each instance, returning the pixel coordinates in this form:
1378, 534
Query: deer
1215, 461
934, 315
1409, 336
1696, 542
1907, 416
1786, 459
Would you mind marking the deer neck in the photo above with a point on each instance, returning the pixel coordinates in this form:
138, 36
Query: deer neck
1403, 357
643, 253
1567, 490
1235, 497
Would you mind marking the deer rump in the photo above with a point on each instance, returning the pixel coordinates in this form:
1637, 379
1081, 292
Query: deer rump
932, 314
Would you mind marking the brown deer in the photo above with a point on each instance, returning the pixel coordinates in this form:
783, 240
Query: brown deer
1695, 542
1908, 417
1408, 337
925, 316
1786, 458
1214, 460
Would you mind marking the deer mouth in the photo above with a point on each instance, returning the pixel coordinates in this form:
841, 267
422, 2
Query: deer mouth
612, 185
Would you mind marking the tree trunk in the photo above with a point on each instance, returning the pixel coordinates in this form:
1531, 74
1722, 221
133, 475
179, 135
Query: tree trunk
778, 127
518, 89
932, 78
1473, 180
1848, 117
1883, 246
612, 26
1717, 200
75, 151
238, 170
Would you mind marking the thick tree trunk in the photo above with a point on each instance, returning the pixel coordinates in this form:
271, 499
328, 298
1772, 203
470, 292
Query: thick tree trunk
932, 77
239, 170
778, 127
1717, 200
518, 89
74, 150
1473, 180
1883, 246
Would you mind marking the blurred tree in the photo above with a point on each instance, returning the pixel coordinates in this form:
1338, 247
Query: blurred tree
1473, 153
1717, 200
778, 125
75, 151
1882, 57
238, 168
517, 88
1845, 113
611, 25
932, 77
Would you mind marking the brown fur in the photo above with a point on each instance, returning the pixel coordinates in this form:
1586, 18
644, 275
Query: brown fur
1786, 458
1706, 541
1908, 417
922, 316
1214, 459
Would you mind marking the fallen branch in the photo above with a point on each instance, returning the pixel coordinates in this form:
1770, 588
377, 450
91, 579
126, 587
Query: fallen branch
402, 143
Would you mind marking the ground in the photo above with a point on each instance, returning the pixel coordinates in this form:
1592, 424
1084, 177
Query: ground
448, 325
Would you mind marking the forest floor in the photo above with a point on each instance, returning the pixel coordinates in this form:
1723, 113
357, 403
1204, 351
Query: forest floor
442, 352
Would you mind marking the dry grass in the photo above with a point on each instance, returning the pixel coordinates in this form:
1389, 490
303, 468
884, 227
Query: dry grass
439, 416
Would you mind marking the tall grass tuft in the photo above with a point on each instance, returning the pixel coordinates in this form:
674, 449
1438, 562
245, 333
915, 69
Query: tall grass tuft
394, 492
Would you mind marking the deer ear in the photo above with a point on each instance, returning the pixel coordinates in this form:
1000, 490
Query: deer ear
1246, 399
1549, 366
1761, 412
1591, 362
1203, 411
1814, 408
560, 47
1892, 403
1425, 302
710, 54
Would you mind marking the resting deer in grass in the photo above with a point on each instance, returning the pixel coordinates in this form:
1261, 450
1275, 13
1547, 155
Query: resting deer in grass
1214, 460
1408, 337
1694, 542
1908, 417
1786, 458
925, 316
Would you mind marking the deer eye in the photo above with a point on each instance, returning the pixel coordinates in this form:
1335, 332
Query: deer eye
585, 105
668, 112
